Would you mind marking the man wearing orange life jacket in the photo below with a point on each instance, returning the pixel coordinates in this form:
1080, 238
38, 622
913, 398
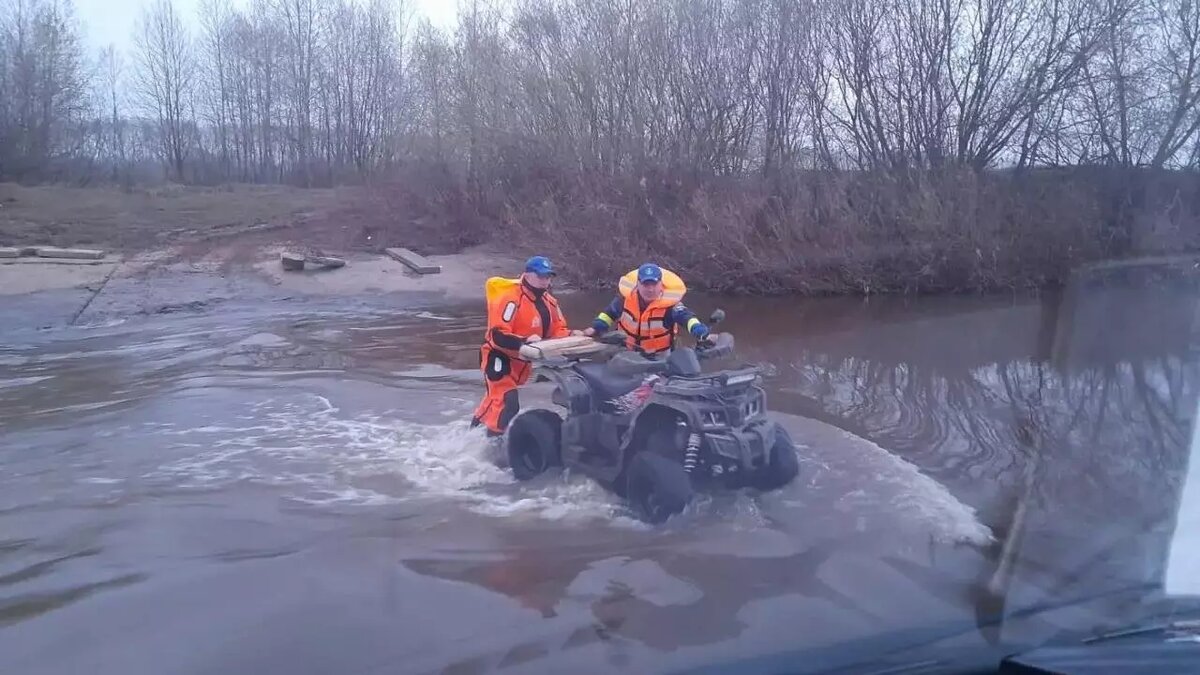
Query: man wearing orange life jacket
650, 311
520, 311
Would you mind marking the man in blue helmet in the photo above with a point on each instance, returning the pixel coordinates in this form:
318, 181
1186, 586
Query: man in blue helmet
520, 311
649, 309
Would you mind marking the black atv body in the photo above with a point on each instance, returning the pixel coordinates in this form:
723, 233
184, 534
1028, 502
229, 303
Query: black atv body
653, 431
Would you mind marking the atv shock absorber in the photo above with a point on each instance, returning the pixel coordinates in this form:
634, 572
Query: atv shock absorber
691, 455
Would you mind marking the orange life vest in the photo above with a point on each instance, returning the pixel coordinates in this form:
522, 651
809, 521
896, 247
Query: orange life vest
513, 309
645, 327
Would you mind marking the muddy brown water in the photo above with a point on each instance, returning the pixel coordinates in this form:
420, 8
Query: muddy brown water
292, 487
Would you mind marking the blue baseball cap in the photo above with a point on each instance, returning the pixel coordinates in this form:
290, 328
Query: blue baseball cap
649, 272
539, 265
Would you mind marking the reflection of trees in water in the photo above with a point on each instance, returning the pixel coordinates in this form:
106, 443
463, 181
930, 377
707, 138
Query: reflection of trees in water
1094, 456
1120, 432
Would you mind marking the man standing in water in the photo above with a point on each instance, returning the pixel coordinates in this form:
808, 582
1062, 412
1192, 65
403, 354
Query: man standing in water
520, 311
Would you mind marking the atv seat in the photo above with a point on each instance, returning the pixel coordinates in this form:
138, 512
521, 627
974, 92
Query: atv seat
605, 384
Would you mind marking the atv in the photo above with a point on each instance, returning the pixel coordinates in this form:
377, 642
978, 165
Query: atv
654, 431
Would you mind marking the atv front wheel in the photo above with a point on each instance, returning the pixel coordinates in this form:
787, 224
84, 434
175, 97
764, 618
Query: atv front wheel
533, 444
658, 487
783, 465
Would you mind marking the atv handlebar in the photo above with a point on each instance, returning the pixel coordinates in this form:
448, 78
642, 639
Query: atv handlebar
715, 346
712, 346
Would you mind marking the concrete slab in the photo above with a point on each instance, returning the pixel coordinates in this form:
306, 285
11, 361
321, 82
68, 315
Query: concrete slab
75, 253
415, 262
50, 262
10, 252
17, 276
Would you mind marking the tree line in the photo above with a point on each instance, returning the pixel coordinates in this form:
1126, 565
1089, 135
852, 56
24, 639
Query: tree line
312, 92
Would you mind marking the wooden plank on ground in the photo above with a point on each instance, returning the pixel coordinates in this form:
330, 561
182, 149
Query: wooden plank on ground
414, 262
72, 253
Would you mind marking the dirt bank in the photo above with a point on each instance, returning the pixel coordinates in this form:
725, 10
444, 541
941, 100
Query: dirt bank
191, 246
36, 293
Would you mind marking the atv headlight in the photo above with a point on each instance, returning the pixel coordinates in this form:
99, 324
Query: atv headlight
714, 419
752, 408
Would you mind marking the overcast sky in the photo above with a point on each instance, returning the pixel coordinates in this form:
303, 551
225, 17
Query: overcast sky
111, 21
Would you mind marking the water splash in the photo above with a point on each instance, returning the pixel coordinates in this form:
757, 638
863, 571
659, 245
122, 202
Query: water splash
320, 457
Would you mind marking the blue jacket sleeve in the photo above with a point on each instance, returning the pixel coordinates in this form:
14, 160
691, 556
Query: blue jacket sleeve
686, 319
607, 318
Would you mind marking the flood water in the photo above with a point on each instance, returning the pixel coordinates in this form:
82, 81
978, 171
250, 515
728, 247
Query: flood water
293, 488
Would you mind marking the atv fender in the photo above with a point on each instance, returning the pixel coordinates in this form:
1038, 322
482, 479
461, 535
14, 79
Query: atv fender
556, 389
648, 418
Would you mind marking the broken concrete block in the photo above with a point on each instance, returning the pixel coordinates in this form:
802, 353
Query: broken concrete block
73, 253
292, 262
415, 262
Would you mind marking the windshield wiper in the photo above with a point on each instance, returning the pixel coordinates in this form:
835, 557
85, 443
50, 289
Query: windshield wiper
1185, 627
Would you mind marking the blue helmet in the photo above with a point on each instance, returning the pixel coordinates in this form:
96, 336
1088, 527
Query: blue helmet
649, 272
540, 265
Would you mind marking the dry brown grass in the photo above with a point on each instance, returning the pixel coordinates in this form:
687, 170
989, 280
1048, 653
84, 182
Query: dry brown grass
399, 213
146, 218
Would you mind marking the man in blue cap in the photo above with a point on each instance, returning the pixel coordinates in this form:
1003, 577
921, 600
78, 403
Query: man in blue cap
520, 311
649, 309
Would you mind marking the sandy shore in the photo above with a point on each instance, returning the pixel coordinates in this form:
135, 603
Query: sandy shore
461, 279
37, 293
462, 276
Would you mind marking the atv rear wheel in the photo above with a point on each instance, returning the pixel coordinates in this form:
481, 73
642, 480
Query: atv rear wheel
533, 444
658, 487
783, 465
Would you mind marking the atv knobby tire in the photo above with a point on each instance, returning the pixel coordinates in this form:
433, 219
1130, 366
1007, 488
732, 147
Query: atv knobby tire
533, 444
657, 486
783, 465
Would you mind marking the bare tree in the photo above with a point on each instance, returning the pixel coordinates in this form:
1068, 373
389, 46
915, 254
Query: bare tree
45, 87
300, 32
111, 102
216, 98
1177, 68
165, 78
430, 70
